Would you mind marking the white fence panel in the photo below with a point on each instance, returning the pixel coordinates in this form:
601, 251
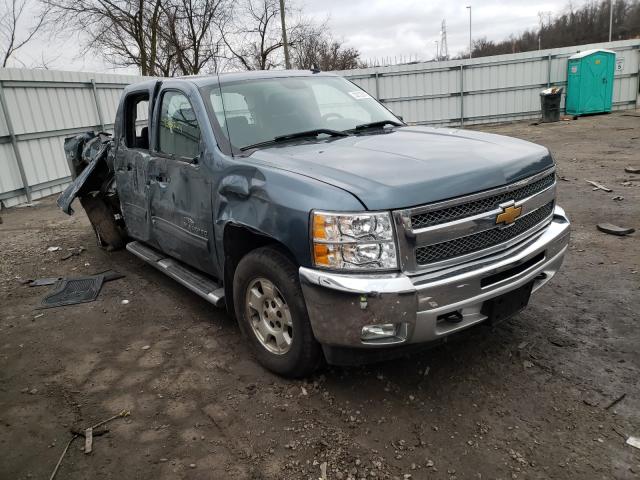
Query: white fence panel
44, 107
500, 88
10, 175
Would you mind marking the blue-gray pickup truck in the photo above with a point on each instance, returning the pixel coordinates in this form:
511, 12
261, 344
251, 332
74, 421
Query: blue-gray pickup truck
330, 229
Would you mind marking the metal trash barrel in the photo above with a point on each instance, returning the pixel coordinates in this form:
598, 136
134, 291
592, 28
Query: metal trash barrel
550, 104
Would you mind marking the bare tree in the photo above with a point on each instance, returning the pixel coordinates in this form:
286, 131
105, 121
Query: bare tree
11, 17
253, 35
125, 32
159, 37
192, 34
45, 62
325, 53
185, 37
256, 22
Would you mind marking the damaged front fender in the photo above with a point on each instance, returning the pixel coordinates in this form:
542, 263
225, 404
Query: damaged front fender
275, 204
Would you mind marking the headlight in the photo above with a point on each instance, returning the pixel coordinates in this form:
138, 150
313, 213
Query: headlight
353, 241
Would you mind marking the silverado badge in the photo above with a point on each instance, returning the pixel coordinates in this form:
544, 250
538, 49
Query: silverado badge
508, 215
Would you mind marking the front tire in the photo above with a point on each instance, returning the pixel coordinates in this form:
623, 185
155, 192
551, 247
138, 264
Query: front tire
272, 314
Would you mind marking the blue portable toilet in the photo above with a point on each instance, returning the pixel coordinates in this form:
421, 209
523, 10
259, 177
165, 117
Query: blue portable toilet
590, 82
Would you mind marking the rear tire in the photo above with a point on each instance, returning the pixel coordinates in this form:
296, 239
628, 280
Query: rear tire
110, 235
272, 314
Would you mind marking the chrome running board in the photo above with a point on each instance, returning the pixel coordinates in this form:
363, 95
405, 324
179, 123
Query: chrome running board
197, 282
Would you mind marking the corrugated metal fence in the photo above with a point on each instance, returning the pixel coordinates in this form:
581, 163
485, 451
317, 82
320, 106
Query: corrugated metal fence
41, 107
488, 89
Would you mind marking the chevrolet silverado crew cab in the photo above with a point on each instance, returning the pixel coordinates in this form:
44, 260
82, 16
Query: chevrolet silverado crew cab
328, 227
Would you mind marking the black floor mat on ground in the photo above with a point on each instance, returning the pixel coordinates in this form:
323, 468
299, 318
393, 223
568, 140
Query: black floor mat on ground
109, 275
73, 291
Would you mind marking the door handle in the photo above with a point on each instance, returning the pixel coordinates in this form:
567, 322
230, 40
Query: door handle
160, 178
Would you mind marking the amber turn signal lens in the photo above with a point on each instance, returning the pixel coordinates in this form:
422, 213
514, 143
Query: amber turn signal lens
321, 254
319, 232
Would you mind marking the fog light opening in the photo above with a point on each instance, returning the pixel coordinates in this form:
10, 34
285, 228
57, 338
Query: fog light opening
451, 317
379, 331
541, 276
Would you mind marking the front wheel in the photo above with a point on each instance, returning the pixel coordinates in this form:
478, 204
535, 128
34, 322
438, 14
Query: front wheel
272, 314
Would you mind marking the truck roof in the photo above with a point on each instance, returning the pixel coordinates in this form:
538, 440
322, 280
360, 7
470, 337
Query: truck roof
201, 80
213, 79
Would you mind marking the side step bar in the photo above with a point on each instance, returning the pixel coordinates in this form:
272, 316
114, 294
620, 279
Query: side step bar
195, 281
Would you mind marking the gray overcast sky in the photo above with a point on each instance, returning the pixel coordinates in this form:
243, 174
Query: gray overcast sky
378, 28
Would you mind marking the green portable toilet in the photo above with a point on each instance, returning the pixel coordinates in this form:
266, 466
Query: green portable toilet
590, 82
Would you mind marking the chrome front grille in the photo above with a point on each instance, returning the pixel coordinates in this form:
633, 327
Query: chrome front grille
455, 231
480, 241
468, 209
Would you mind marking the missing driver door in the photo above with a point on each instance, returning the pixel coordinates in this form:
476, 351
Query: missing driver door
180, 191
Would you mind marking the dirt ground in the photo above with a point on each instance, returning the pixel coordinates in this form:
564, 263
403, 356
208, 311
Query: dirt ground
530, 398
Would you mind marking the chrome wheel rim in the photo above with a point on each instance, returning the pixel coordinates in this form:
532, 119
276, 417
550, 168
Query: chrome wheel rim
269, 316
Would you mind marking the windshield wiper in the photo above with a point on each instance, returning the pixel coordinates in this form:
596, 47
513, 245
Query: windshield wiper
312, 133
381, 123
292, 136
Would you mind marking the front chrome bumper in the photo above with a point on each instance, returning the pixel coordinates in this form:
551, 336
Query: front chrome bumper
340, 305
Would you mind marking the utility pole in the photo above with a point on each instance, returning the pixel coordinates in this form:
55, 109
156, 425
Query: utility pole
610, 18
287, 63
470, 43
437, 52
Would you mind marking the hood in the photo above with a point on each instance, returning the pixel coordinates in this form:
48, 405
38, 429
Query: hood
411, 166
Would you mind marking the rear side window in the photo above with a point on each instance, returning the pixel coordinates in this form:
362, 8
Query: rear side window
178, 132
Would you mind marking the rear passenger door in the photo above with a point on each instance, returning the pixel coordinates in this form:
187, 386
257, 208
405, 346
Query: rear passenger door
179, 187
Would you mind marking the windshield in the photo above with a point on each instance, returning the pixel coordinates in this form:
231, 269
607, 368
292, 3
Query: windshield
251, 112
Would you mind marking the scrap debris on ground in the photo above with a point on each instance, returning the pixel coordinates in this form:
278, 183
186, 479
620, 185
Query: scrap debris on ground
539, 396
599, 186
73, 252
615, 230
88, 435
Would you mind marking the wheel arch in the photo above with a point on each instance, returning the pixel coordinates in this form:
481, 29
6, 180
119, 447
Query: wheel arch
239, 240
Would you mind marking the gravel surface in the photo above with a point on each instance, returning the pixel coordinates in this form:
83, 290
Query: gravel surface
530, 398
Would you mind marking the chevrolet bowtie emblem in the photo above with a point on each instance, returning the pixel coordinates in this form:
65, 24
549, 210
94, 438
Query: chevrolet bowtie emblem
508, 215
